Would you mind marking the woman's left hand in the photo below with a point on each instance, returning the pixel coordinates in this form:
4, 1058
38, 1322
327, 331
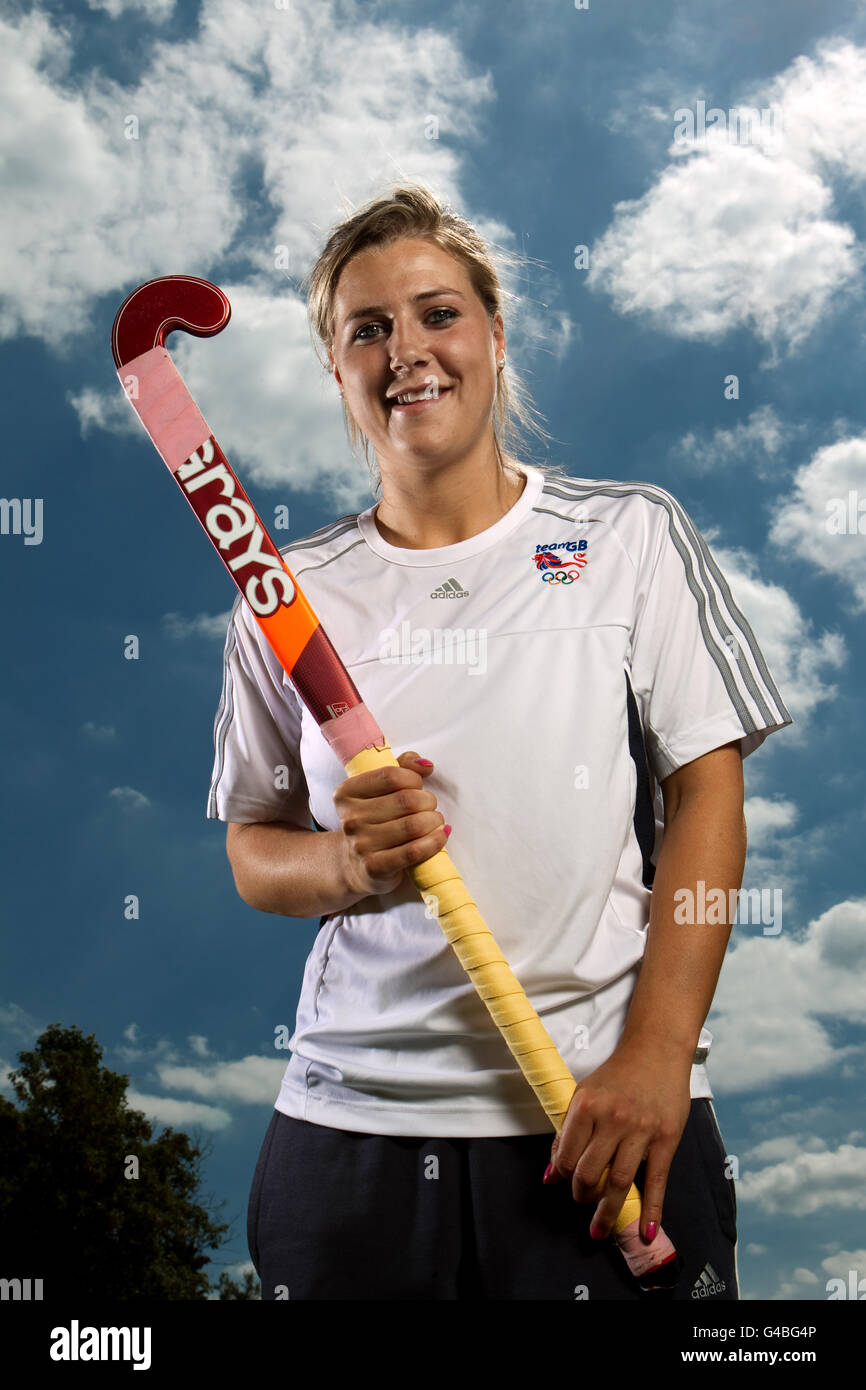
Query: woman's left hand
634, 1106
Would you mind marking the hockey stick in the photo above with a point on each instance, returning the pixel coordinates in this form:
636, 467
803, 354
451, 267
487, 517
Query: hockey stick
169, 414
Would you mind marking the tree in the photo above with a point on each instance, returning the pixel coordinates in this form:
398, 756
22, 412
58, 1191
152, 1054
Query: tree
90, 1201
229, 1288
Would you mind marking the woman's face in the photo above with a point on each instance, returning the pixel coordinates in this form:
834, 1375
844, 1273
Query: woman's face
406, 317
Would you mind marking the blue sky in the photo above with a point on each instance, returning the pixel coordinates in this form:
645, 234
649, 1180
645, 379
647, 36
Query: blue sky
732, 254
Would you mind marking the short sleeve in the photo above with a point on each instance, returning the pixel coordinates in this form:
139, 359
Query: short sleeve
257, 772
697, 671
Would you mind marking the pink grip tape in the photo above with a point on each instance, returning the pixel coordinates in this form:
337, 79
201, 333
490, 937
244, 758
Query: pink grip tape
164, 406
639, 1256
352, 731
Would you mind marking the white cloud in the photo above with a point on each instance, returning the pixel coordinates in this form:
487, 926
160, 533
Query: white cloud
817, 499
99, 733
179, 1113
259, 131
808, 1183
765, 817
163, 1049
754, 443
282, 97
785, 1146
773, 993
252, 1080
156, 10
839, 1264
104, 410
84, 207
199, 1045
128, 798
211, 626
734, 235
18, 1024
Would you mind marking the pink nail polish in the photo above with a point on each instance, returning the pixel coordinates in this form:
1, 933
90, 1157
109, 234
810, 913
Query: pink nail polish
447, 831
547, 1172
652, 1230
596, 1232
425, 762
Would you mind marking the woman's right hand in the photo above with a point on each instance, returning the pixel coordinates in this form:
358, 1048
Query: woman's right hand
389, 823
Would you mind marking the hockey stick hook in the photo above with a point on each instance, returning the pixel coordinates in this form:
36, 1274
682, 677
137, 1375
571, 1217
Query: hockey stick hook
147, 316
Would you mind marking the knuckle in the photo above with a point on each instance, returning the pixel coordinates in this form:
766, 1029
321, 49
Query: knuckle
620, 1179
582, 1175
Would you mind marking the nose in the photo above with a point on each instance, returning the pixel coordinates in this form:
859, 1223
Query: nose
407, 349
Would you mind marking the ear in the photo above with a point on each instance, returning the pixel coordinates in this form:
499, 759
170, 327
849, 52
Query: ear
498, 335
335, 369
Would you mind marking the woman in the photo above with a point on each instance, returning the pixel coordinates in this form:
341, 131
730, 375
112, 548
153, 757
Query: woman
565, 663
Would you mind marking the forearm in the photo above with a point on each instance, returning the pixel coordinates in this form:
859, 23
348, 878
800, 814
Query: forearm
705, 839
282, 868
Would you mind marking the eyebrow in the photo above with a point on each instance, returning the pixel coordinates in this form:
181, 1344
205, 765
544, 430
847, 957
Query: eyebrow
380, 309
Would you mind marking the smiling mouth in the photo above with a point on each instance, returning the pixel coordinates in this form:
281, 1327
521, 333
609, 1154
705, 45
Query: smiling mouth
414, 407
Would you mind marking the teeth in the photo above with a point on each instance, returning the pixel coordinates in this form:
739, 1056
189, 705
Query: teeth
411, 396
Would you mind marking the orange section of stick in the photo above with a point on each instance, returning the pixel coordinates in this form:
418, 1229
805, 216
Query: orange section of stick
290, 629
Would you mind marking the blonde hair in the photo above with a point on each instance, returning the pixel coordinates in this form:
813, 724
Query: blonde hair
412, 210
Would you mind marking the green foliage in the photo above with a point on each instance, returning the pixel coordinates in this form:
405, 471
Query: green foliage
69, 1214
229, 1288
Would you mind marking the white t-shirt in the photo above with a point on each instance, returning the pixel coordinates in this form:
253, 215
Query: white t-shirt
533, 663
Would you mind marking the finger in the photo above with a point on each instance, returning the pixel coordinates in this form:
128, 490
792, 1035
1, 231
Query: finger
570, 1143
620, 1176
397, 806
414, 762
655, 1184
589, 1175
551, 1173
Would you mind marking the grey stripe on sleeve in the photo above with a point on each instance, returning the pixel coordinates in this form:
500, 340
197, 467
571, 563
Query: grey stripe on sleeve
224, 714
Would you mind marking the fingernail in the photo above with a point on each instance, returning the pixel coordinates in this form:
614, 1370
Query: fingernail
596, 1232
652, 1230
447, 831
547, 1172
425, 762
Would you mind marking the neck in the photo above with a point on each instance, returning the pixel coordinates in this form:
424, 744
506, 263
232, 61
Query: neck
423, 511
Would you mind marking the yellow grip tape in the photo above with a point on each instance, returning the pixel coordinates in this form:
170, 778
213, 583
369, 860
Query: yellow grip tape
449, 901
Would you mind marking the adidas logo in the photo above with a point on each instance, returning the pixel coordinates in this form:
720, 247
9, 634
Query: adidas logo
450, 589
708, 1283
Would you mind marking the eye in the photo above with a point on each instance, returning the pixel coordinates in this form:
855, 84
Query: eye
364, 336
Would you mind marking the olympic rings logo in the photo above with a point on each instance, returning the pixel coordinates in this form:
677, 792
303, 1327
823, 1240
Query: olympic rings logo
562, 575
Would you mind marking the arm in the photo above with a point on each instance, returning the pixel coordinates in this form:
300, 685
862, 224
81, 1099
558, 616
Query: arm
388, 823
281, 867
636, 1104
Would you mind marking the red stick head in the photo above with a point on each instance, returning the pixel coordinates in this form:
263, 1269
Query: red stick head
147, 316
